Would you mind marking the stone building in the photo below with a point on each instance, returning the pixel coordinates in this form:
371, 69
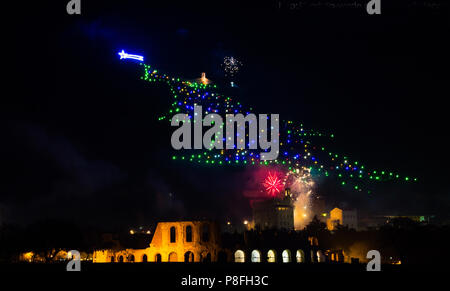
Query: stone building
180, 241
344, 217
276, 213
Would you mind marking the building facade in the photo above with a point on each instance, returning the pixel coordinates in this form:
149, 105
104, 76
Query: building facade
347, 218
181, 241
275, 213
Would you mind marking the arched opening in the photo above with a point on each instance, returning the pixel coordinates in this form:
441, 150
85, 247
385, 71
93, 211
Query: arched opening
205, 232
173, 257
222, 257
205, 257
112, 259
239, 256
120, 259
271, 256
173, 234
256, 256
188, 233
131, 258
313, 256
286, 255
320, 257
158, 258
144, 258
189, 257
300, 256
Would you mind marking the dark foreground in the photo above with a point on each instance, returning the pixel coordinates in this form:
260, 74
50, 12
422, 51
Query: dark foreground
173, 276
209, 268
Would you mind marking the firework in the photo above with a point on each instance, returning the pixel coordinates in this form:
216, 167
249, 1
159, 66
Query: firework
273, 184
231, 66
301, 184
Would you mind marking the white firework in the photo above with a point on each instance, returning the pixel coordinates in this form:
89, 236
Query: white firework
301, 184
231, 66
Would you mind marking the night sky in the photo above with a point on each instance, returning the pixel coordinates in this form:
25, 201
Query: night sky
80, 138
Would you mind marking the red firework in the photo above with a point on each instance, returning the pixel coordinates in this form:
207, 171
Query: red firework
273, 184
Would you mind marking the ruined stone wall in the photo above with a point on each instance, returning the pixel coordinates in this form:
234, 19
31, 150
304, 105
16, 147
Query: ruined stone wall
202, 244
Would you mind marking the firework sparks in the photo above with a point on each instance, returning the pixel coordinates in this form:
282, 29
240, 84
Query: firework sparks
231, 66
301, 184
273, 184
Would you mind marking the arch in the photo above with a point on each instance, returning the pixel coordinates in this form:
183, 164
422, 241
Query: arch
158, 258
300, 256
286, 255
271, 256
173, 234
205, 257
222, 257
173, 257
313, 257
256, 256
239, 256
62, 255
188, 233
144, 258
120, 259
112, 259
189, 257
320, 257
205, 232
131, 258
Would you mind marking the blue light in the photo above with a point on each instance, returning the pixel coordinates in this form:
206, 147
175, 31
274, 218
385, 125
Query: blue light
124, 55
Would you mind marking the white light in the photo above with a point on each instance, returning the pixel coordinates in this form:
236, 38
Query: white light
124, 55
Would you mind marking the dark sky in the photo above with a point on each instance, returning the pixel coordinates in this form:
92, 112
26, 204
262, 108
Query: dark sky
80, 139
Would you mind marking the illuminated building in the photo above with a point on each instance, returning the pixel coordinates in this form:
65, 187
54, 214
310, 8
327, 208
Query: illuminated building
347, 218
180, 241
277, 213
200, 241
